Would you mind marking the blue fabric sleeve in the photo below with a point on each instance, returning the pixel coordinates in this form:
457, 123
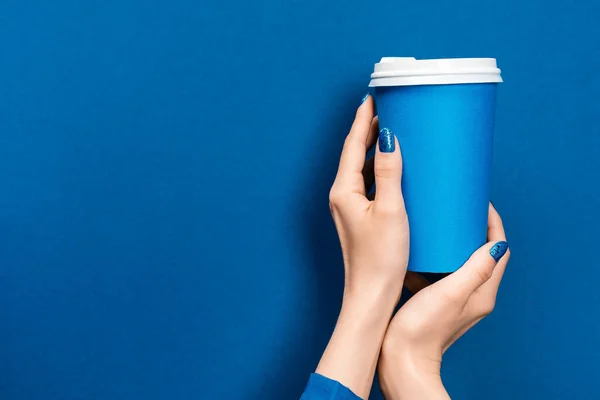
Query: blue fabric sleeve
322, 388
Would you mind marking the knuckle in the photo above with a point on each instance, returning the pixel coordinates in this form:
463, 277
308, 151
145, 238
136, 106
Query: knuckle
336, 197
483, 273
385, 169
486, 307
350, 140
390, 209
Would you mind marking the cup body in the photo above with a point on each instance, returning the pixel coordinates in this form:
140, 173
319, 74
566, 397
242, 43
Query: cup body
445, 133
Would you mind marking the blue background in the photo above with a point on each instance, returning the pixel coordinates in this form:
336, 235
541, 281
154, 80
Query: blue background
164, 171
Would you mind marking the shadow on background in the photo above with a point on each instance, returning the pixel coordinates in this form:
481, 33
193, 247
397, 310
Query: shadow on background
322, 247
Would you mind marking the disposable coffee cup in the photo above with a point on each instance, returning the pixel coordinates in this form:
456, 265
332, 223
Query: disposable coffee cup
442, 111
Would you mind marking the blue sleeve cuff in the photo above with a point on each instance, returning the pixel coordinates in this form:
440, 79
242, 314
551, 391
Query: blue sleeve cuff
323, 388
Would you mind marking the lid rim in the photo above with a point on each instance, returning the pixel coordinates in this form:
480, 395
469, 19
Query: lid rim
385, 74
419, 80
405, 71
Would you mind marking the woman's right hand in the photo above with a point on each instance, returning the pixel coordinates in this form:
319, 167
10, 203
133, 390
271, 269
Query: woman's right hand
435, 317
374, 237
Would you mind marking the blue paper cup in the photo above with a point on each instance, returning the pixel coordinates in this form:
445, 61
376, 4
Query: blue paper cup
442, 112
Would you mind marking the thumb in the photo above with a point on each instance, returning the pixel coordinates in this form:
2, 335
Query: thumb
388, 172
475, 272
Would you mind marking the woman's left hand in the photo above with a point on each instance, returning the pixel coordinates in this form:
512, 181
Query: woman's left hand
436, 316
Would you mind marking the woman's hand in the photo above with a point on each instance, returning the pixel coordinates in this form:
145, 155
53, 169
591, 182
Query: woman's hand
374, 238
435, 317
373, 234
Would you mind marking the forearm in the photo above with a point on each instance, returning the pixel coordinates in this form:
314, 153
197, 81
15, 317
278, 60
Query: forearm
353, 350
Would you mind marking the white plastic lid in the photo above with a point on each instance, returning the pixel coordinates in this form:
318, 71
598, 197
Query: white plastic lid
408, 71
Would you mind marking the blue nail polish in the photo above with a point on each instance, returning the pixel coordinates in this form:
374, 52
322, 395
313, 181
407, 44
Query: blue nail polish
387, 142
498, 250
365, 98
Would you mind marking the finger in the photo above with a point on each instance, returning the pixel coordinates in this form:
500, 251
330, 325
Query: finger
491, 287
349, 174
495, 232
369, 168
485, 295
373, 133
475, 272
388, 172
369, 174
415, 282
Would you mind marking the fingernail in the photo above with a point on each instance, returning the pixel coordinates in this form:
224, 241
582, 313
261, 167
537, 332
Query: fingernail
366, 96
498, 250
387, 142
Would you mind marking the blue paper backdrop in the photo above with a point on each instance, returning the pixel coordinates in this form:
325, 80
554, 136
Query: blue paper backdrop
164, 171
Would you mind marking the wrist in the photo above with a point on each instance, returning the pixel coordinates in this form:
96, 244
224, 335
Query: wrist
404, 375
413, 387
351, 355
378, 296
369, 309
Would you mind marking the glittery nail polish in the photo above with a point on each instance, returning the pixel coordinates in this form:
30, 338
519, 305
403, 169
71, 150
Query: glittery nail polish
498, 250
387, 142
365, 97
